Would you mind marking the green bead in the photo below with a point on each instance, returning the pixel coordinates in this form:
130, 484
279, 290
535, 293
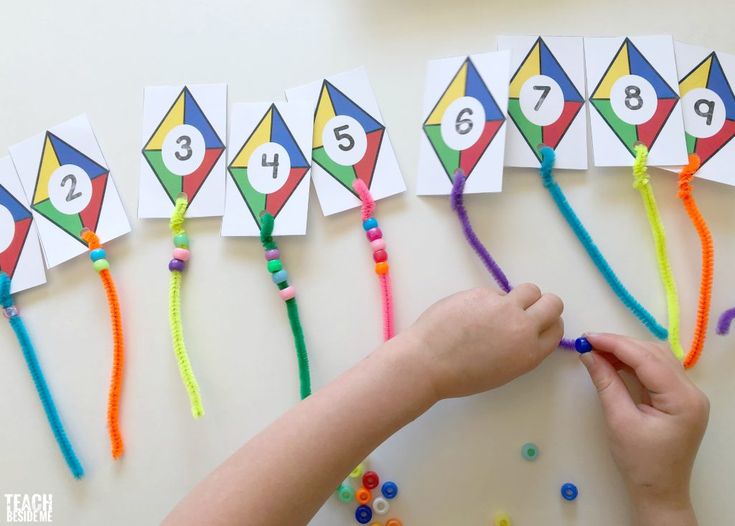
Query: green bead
181, 241
101, 264
346, 493
274, 265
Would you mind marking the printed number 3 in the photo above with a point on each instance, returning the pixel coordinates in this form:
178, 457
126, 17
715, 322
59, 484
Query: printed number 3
464, 125
633, 100
73, 194
274, 164
339, 136
185, 142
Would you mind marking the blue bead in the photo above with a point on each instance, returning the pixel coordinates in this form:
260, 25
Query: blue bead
369, 223
97, 254
569, 491
582, 345
363, 514
280, 276
389, 489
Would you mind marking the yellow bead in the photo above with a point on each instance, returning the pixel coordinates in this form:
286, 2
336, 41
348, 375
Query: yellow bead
502, 519
358, 471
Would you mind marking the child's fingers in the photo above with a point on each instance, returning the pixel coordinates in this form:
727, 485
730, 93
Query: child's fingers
546, 312
550, 337
617, 403
525, 295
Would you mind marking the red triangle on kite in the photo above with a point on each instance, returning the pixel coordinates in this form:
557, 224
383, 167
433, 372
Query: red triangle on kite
708, 146
649, 130
193, 182
90, 216
9, 258
469, 157
275, 201
365, 167
553, 133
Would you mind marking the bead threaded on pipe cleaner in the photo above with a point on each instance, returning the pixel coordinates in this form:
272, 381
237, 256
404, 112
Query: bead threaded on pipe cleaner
496, 272
380, 255
646, 318
642, 183
288, 295
99, 261
176, 266
34, 367
723, 324
704, 304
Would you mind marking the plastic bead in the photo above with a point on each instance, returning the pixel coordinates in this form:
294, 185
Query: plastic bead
393, 522
529, 451
358, 471
502, 519
280, 276
363, 514
176, 265
582, 345
363, 495
381, 506
375, 524
374, 233
345, 492
287, 293
10, 312
389, 490
370, 480
97, 254
101, 264
381, 268
182, 254
369, 224
378, 244
181, 241
569, 491
273, 253
380, 255
274, 265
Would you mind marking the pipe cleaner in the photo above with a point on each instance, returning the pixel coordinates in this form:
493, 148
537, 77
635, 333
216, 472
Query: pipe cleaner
548, 157
380, 255
176, 266
642, 182
686, 176
723, 324
12, 314
288, 295
491, 265
99, 261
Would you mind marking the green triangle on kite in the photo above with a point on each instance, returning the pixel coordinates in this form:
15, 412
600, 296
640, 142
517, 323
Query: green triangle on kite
171, 182
343, 174
254, 199
71, 224
691, 143
627, 133
532, 133
448, 157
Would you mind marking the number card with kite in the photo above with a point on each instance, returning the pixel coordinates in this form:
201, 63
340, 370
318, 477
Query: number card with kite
350, 141
70, 190
465, 106
184, 134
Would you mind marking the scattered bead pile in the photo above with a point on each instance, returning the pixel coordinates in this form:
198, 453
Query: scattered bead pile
369, 504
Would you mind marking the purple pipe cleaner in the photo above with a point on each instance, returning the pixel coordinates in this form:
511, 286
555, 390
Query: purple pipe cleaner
723, 324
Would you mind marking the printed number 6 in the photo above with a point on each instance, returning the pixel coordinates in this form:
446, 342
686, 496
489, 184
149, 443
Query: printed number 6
464, 125
73, 194
185, 142
339, 136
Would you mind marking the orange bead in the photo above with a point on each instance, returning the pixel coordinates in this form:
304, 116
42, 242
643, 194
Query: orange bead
393, 522
363, 495
381, 268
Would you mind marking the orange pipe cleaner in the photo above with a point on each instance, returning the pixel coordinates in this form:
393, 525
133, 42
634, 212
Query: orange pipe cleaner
708, 259
102, 266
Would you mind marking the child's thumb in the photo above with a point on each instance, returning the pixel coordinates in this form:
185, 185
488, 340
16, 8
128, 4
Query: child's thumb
614, 396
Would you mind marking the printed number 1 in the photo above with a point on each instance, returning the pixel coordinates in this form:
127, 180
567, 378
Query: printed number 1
73, 194
274, 164
544, 93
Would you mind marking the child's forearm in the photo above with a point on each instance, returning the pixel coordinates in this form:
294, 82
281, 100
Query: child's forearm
652, 513
307, 452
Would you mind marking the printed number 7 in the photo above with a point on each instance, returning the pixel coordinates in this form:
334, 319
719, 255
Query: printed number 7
544, 93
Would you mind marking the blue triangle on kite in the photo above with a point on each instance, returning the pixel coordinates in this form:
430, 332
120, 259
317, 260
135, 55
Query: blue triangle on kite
194, 116
69, 155
280, 134
477, 89
551, 68
718, 83
641, 67
344, 106
16, 209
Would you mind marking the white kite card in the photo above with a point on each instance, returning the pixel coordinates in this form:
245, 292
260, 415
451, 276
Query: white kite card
184, 133
705, 82
20, 252
350, 141
546, 101
268, 167
69, 187
633, 91
465, 104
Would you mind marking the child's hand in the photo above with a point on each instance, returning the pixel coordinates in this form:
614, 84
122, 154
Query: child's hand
479, 339
653, 443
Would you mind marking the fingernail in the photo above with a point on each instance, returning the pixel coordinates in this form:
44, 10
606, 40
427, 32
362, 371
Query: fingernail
582, 345
588, 359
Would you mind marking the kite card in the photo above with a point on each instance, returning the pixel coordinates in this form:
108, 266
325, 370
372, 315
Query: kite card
464, 111
633, 89
708, 103
546, 101
349, 142
268, 167
184, 131
20, 252
68, 184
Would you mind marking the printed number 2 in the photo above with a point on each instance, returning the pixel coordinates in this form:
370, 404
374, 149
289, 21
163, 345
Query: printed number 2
73, 194
633, 100
274, 164
339, 136
544, 93
185, 142
464, 125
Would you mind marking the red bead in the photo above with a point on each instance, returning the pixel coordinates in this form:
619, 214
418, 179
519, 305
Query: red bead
373, 234
380, 255
370, 480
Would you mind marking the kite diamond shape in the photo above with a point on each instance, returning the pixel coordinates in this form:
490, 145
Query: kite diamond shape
467, 82
22, 224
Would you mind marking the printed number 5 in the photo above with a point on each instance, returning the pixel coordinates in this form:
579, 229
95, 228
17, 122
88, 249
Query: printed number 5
185, 142
73, 194
339, 136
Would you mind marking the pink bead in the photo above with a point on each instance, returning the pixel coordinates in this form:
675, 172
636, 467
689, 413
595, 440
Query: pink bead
373, 234
182, 254
378, 244
287, 293
272, 254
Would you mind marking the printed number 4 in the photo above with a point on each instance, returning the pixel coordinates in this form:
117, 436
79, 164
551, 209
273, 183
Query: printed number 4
544, 93
73, 194
274, 164
339, 136
185, 142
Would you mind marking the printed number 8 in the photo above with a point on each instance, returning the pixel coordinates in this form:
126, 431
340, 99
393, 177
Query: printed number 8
633, 100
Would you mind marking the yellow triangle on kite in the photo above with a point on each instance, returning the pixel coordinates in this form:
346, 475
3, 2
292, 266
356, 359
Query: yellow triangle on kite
49, 164
173, 118
619, 67
261, 135
531, 67
455, 90
697, 78
324, 113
